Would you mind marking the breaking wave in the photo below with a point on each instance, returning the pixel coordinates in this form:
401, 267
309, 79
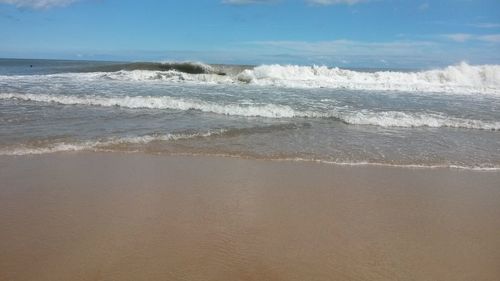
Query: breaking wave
461, 78
173, 76
343, 114
456, 79
185, 67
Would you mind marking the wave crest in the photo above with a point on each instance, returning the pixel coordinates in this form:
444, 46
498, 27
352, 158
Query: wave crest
185, 67
457, 79
462, 78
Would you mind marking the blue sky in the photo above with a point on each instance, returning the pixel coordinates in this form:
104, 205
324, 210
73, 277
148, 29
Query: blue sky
356, 33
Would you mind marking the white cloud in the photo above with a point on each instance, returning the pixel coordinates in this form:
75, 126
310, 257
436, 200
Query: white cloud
362, 53
464, 37
485, 25
343, 48
247, 2
424, 6
313, 2
335, 2
38, 4
492, 38
459, 37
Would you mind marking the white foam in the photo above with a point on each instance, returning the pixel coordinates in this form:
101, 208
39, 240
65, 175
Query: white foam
163, 102
134, 76
347, 115
101, 145
172, 76
57, 147
456, 79
408, 120
491, 168
461, 78
199, 64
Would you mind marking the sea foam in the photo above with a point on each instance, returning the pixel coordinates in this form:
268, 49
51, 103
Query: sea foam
346, 115
163, 102
462, 78
103, 144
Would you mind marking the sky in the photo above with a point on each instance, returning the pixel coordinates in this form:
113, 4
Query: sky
352, 33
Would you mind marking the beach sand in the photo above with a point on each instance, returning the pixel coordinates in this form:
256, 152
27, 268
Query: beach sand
117, 216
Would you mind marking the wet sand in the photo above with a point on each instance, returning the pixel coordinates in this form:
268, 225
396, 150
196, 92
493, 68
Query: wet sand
113, 216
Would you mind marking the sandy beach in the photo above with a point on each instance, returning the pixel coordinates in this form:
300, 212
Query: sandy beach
249, 140
117, 216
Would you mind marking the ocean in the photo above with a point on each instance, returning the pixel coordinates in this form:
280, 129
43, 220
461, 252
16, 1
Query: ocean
447, 117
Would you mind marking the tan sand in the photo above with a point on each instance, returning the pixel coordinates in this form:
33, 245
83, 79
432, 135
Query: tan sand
98, 216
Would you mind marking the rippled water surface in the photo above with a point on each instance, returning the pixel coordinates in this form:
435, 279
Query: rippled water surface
445, 117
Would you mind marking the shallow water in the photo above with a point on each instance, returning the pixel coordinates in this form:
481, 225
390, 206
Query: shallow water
448, 117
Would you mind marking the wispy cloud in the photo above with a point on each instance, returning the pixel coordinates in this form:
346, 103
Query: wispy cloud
38, 4
459, 37
492, 38
247, 2
335, 2
347, 46
362, 53
342, 52
313, 2
465, 37
485, 25
424, 6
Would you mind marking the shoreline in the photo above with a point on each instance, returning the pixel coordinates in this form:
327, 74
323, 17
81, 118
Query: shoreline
450, 167
135, 216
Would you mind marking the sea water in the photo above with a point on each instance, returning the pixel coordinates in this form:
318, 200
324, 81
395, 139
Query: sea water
448, 117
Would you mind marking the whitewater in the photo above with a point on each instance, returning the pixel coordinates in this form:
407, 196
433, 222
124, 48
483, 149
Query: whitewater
363, 117
443, 117
461, 78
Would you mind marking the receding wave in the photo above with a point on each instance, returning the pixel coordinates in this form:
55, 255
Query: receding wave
107, 146
102, 145
163, 102
484, 168
112, 143
348, 116
410, 120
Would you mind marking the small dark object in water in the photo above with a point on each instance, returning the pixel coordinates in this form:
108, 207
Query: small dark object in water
31, 65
